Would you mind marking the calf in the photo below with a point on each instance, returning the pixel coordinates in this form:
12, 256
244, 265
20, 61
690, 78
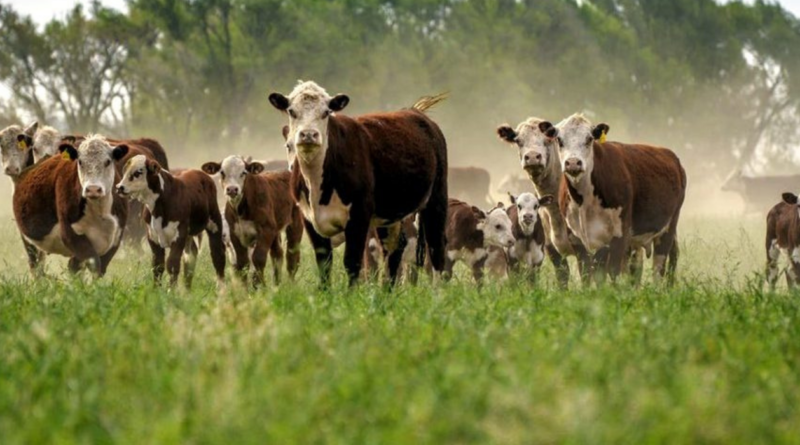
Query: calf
536, 140
259, 207
783, 236
351, 174
469, 184
177, 209
528, 232
66, 205
471, 232
619, 198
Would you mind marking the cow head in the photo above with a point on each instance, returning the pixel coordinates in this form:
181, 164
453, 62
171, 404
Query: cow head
96, 169
15, 148
309, 108
291, 153
536, 140
528, 210
496, 227
233, 171
46, 141
140, 178
576, 138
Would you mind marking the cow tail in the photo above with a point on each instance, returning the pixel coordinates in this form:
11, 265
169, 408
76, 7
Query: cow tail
425, 103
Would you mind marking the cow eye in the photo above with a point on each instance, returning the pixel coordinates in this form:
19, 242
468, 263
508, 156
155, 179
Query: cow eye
80, 163
292, 114
498, 227
326, 113
244, 173
519, 206
222, 174
108, 162
589, 140
560, 142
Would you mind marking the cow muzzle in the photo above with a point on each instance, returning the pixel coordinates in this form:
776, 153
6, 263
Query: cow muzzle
232, 191
93, 192
573, 167
121, 190
308, 138
11, 171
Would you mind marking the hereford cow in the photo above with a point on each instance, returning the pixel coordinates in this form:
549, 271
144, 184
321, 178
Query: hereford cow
538, 154
15, 149
46, 141
469, 184
67, 205
471, 232
528, 232
758, 192
178, 209
783, 236
373, 170
259, 207
619, 198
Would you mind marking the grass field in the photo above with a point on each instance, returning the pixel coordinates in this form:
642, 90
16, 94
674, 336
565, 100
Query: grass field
716, 359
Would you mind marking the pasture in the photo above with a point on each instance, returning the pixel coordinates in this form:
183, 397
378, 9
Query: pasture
716, 359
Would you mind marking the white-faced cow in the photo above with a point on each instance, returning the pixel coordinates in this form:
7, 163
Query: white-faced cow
373, 170
178, 209
620, 198
15, 149
66, 205
529, 248
538, 155
259, 207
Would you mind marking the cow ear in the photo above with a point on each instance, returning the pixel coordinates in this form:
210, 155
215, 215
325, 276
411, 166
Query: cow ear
500, 205
548, 129
480, 214
507, 133
31, 130
279, 101
69, 139
546, 200
211, 168
600, 131
338, 103
512, 198
255, 168
152, 166
24, 142
790, 198
119, 152
285, 132
68, 152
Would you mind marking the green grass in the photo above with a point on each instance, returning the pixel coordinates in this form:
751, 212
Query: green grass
716, 359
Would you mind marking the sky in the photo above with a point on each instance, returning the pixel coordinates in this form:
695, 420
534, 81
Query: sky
44, 10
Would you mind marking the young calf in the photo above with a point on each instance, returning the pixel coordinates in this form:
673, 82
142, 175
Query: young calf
528, 232
177, 209
259, 208
470, 233
783, 235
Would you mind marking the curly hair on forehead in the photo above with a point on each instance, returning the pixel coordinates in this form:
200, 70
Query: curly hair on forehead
309, 91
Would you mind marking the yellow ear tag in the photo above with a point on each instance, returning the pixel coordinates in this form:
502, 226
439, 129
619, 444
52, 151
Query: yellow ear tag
65, 155
602, 138
21, 145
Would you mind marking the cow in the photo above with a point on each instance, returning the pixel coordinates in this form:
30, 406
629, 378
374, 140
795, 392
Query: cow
758, 191
469, 184
372, 170
15, 149
178, 209
259, 207
529, 248
537, 144
471, 232
619, 198
46, 141
783, 236
67, 205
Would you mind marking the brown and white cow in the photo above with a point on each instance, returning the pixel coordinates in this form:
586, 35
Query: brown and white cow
373, 170
178, 209
470, 234
529, 248
536, 140
66, 205
620, 198
259, 207
783, 237
15, 149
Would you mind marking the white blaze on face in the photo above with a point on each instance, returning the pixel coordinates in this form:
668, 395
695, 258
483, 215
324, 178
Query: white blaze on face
232, 173
12, 153
45, 143
134, 177
527, 212
576, 145
535, 147
308, 120
95, 167
497, 229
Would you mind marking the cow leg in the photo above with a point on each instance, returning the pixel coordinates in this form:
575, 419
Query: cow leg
560, 264
773, 255
105, 260
74, 265
449, 263
294, 235
174, 258
433, 219
35, 258
599, 266
276, 253
323, 252
242, 257
216, 246
259, 259
189, 261
618, 256
636, 266
159, 255
585, 263
355, 235
477, 268
661, 250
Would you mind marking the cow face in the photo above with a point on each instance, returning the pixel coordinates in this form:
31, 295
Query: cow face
309, 108
528, 210
15, 147
496, 227
137, 175
45, 143
232, 173
535, 139
96, 170
576, 137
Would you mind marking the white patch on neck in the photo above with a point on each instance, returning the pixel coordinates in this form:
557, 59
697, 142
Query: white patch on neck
594, 225
162, 235
99, 225
328, 220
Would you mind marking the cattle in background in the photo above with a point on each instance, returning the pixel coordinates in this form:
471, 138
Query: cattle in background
758, 192
515, 184
538, 154
619, 198
469, 184
351, 174
470, 234
15, 149
178, 209
259, 207
67, 205
46, 141
783, 237
529, 247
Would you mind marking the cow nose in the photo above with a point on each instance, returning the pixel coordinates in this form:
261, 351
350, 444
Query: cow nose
12, 171
528, 219
232, 190
573, 166
120, 188
510, 243
93, 191
309, 136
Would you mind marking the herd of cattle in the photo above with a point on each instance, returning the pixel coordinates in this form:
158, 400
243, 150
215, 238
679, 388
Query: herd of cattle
377, 183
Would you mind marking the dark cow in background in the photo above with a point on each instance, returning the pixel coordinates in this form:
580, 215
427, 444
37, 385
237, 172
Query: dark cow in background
67, 205
758, 192
783, 237
469, 184
620, 198
351, 174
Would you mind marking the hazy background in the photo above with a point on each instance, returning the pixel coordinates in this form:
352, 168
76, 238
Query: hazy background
719, 83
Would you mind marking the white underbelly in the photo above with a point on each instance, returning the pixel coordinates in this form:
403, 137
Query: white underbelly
52, 242
468, 256
328, 220
246, 232
529, 252
594, 225
163, 235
